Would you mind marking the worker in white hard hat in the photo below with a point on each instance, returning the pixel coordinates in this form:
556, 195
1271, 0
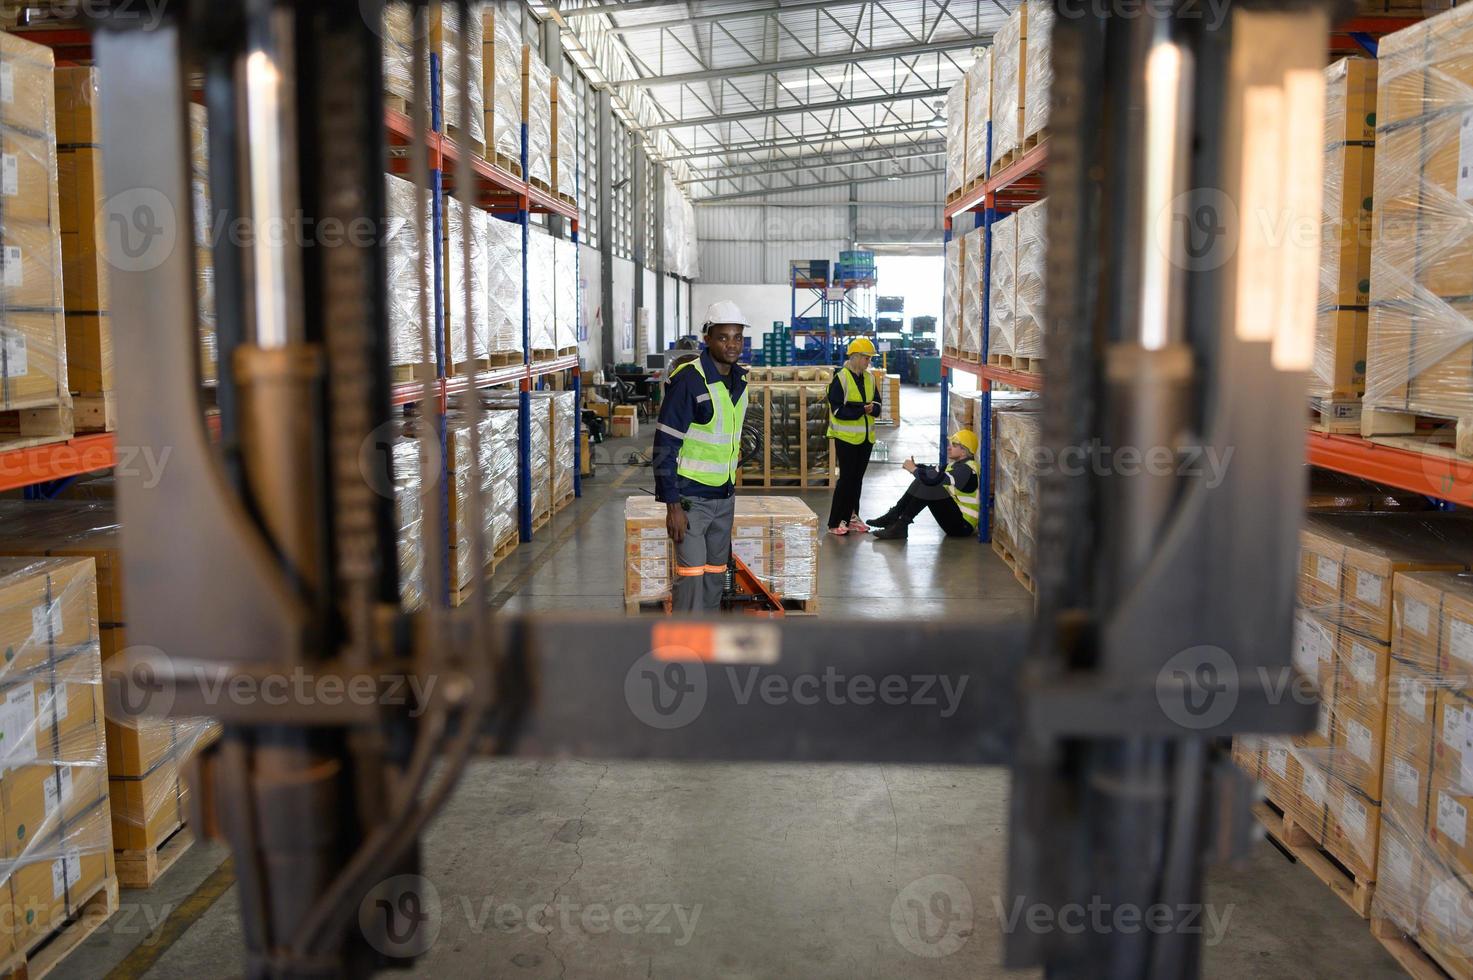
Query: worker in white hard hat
854, 404
698, 447
953, 495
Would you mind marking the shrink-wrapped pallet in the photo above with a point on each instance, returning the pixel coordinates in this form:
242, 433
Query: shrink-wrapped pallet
1002, 287
457, 75
466, 301
1009, 84
951, 319
501, 72
409, 519
504, 286
1028, 304
979, 114
565, 117
542, 291
956, 136
537, 114
410, 270
1038, 66
969, 343
565, 293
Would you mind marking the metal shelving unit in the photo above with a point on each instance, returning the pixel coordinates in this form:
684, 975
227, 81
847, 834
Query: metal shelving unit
46, 470
1013, 187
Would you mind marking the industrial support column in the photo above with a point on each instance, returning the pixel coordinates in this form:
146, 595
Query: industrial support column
658, 246
640, 195
605, 178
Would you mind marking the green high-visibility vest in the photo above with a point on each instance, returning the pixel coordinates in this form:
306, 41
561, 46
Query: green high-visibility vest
710, 453
860, 430
970, 504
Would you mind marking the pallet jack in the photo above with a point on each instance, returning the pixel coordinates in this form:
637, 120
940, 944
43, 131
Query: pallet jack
745, 593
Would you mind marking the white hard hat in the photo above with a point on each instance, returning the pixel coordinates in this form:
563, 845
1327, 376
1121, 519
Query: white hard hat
725, 311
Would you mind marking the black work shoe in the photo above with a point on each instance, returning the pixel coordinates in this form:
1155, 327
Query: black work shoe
885, 521
896, 532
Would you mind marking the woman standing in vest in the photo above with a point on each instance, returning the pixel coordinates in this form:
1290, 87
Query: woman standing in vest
954, 495
854, 404
698, 446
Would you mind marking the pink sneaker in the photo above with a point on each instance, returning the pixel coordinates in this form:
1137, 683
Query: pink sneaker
841, 530
858, 526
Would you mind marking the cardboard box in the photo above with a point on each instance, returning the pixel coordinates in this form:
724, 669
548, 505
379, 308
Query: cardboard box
1350, 101
30, 276
147, 809
1401, 889
1451, 759
1446, 924
1281, 774
47, 890
28, 190
77, 529
1311, 810
1359, 740
1450, 822
77, 120
625, 426
1353, 828
27, 101
33, 360
83, 249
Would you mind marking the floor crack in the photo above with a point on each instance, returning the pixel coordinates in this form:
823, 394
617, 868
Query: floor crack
895, 856
562, 968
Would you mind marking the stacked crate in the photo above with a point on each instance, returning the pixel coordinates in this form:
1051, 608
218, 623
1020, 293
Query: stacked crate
1421, 317
1002, 290
1028, 288
1338, 376
1009, 87
501, 76
89, 341
785, 441
979, 115
35, 403
59, 859
537, 115
145, 758
775, 537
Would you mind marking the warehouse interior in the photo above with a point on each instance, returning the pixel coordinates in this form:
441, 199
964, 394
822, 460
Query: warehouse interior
757, 488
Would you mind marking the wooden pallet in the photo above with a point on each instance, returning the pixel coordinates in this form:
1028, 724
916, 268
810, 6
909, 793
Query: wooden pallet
567, 199
539, 521
561, 505
1300, 845
398, 103
1420, 432
506, 163
544, 354
566, 351
465, 140
21, 428
1419, 963
1015, 362
1013, 155
413, 372
1014, 563
95, 412
501, 358
504, 549
540, 184
1335, 415
762, 473
966, 188
140, 869
45, 954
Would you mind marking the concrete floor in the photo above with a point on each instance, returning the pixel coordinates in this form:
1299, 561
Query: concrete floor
684, 870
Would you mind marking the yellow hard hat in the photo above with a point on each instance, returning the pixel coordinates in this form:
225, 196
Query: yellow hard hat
967, 439
862, 345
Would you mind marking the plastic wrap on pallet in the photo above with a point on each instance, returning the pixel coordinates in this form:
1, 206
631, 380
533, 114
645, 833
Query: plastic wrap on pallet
1028, 311
964, 411
562, 421
398, 57
537, 111
502, 93
85, 278
979, 113
1008, 81
1017, 430
1345, 225
785, 432
1332, 491
775, 536
1421, 318
956, 136
462, 224
1003, 287
1038, 64
32, 326
565, 155
410, 268
467, 479
540, 459
542, 290
504, 285
969, 339
951, 319
204, 232
503, 460
53, 767
409, 519
565, 293
457, 76
1350, 101
688, 231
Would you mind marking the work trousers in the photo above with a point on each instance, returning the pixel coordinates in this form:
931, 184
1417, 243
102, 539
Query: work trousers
853, 461
919, 497
701, 559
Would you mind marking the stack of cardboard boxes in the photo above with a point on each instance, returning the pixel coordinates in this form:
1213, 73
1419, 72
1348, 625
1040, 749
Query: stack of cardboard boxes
537, 115
501, 74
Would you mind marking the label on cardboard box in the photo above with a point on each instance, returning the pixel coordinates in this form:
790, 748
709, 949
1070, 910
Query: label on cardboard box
658, 533
1396, 858
1358, 740
1353, 818
1452, 818
1363, 663
1368, 587
12, 261
1322, 721
66, 872
46, 622
749, 551
1278, 761
1452, 728
55, 706
1312, 644
1460, 640
1406, 781
7, 83
1327, 570
18, 727
9, 174
1465, 157
1313, 785
653, 549
13, 360
1415, 614
58, 789
1411, 694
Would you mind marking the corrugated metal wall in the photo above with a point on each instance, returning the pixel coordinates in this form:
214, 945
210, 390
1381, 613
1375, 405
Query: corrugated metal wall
753, 243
